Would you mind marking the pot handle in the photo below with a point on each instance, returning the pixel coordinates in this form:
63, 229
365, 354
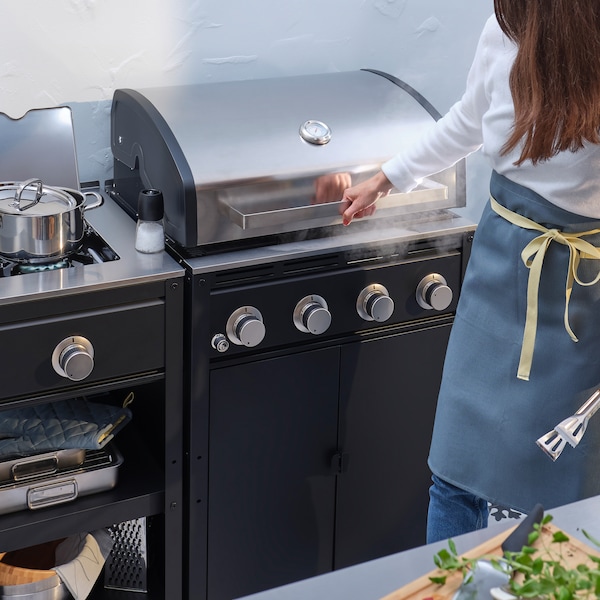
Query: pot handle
98, 202
39, 191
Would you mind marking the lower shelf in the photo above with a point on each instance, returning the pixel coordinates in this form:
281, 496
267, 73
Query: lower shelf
139, 492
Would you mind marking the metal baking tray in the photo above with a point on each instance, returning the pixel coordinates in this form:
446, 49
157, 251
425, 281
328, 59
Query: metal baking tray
97, 473
22, 467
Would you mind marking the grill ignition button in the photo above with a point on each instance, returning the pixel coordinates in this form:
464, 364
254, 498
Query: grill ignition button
220, 343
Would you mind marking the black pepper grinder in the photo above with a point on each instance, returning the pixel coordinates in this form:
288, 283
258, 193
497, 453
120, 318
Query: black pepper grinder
149, 232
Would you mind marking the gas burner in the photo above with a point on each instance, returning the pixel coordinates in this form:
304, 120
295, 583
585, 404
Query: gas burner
25, 268
93, 250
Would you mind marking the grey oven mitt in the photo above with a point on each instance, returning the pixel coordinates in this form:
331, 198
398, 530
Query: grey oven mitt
73, 423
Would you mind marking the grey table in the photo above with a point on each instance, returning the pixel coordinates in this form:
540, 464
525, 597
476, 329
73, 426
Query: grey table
377, 578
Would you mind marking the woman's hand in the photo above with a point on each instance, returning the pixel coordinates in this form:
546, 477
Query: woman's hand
359, 201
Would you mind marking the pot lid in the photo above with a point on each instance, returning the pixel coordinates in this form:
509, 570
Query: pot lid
33, 199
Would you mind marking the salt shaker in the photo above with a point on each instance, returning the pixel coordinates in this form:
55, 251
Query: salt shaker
149, 232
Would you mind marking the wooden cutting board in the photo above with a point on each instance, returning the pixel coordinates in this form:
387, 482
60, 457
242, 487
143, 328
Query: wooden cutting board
574, 551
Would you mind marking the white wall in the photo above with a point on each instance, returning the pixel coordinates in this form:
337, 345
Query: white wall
77, 52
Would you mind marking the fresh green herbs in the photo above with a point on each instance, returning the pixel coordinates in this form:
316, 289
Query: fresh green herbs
536, 572
449, 560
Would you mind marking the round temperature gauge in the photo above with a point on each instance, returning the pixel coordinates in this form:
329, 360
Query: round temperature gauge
315, 132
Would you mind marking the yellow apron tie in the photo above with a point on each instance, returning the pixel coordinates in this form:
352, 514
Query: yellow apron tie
533, 258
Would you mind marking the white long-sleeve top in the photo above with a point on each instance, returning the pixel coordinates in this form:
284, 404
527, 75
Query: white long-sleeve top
483, 118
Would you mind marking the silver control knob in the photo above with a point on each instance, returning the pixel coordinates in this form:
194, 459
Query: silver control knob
312, 315
374, 303
433, 293
245, 327
220, 343
73, 358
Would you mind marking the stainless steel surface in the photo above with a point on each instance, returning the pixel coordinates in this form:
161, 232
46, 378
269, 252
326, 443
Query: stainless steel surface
73, 358
246, 131
99, 472
400, 232
51, 493
24, 467
245, 327
119, 232
374, 303
14, 194
39, 222
51, 588
39, 144
570, 430
311, 315
266, 206
433, 292
220, 343
573, 428
245, 159
552, 444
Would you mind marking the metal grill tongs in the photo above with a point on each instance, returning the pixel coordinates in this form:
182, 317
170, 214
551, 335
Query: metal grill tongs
570, 430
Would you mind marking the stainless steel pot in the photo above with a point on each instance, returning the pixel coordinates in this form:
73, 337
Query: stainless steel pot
51, 588
40, 223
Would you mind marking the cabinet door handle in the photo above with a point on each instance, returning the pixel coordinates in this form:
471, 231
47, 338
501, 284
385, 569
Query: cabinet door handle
339, 463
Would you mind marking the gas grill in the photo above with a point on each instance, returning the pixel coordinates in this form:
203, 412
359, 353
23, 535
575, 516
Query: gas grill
313, 351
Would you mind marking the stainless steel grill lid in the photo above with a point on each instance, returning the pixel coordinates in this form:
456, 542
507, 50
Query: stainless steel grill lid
243, 159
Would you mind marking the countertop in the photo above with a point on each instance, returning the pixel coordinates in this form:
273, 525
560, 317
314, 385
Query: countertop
377, 578
441, 225
118, 230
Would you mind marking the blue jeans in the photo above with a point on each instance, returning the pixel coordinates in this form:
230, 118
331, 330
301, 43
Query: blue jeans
453, 511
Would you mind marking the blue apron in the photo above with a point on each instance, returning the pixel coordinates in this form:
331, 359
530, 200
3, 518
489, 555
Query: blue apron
488, 420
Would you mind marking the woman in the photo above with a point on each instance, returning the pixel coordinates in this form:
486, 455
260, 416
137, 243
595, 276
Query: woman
512, 373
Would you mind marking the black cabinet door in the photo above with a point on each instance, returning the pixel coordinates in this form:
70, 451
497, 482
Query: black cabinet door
273, 432
388, 396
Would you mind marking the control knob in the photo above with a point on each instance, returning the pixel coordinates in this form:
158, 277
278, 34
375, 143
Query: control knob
73, 358
245, 327
433, 293
374, 303
312, 315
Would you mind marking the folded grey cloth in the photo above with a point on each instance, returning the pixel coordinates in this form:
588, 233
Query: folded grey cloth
74, 423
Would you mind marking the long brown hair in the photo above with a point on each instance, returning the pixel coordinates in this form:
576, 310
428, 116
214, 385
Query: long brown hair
555, 79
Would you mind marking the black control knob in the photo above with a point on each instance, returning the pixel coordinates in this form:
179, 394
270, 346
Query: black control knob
433, 293
312, 315
374, 303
